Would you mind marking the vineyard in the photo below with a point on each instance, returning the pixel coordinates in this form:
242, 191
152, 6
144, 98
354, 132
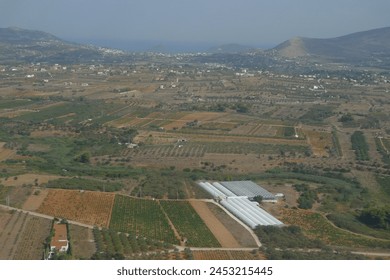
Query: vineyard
199, 149
141, 217
188, 224
92, 208
157, 151
31, 243
255, 129
9, 235
112, 242
360, 146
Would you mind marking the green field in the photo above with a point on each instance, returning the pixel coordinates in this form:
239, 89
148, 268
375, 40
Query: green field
8, 104
141, 217
188, 223
360, 146
111, 243
316, 226
84, 184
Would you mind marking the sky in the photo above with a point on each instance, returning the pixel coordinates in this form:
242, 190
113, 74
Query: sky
210, 22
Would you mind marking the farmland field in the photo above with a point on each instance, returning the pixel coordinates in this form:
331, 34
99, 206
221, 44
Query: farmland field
320, 142
188, 224
117, 149
317, 226
141, 217
82, 242
31, 243
221, 233
383, 146
359, 145
9, 235
129, 245
91, 208
227, 255
199, 149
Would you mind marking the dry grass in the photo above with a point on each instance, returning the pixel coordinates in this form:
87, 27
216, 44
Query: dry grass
319, 141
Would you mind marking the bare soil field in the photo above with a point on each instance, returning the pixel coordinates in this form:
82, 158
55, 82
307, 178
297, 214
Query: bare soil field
82, 242
227, 255
240, 234
31, 243
290, 194
9, 235
319, 141
92, 208
35, 200
4, 218
16, 195
29, 179
223, 235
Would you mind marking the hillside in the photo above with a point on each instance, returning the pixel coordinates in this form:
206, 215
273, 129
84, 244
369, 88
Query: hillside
371, 46
21, 45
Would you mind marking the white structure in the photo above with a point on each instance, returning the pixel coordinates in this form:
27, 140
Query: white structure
240, 206
249, 189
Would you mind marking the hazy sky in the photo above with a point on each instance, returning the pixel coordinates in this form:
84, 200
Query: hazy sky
252, 22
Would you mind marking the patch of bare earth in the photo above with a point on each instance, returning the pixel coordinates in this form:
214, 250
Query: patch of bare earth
82, 242
29, 179
242, 235
223, 235
35, 199
227, 255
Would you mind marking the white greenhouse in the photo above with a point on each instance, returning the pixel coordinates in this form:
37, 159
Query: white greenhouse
240, 206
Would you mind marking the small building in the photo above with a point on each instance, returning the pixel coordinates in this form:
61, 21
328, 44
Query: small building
59, 241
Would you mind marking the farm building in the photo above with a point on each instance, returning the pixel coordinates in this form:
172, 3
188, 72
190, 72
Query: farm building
60, 241
239, 204
249, 189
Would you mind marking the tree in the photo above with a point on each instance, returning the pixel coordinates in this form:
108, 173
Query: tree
346, 118
84, 158
378, 217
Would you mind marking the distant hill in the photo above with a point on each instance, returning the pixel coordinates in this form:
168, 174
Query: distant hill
362, 47
21, 45
15, 35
